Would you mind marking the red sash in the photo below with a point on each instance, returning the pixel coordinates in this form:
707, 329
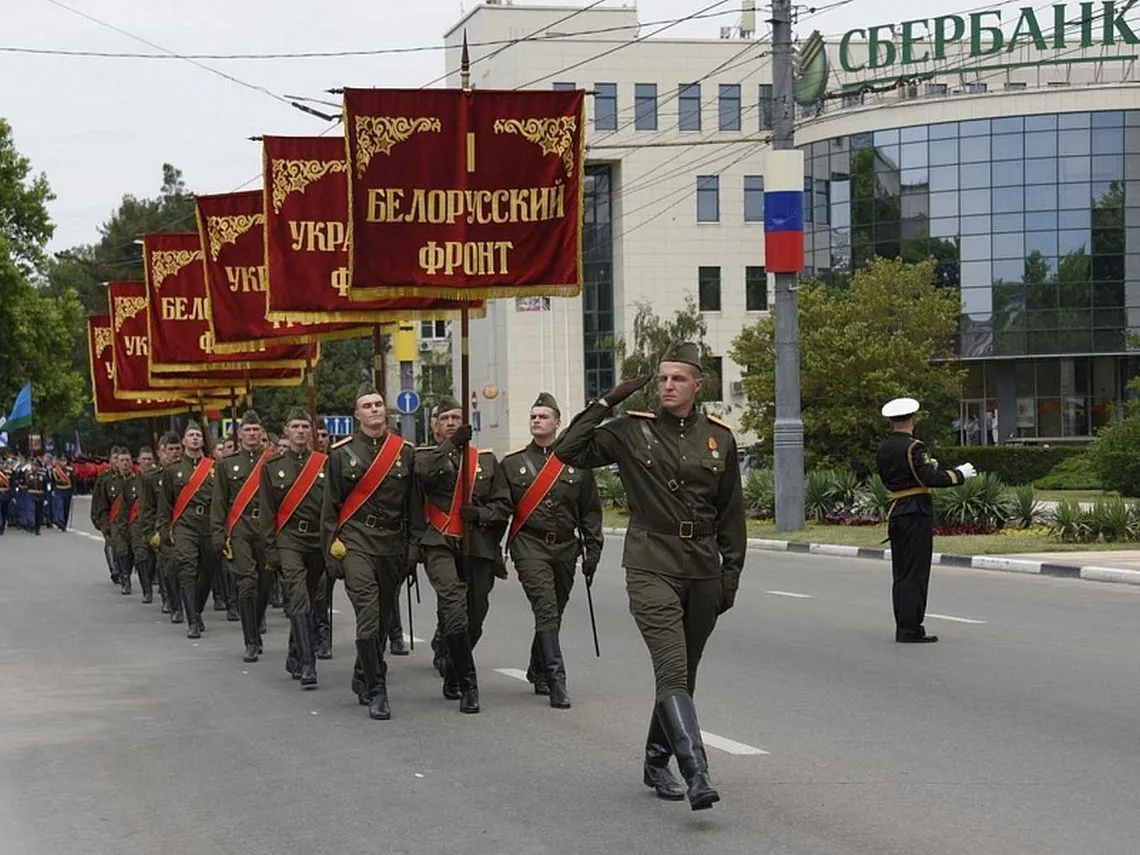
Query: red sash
246, 493
62, 480
133, 514
5, 484
382, 464
116, 507
197, 479
451, 524
535, 493
299, 490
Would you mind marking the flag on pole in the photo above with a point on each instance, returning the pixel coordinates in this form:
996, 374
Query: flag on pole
21, 415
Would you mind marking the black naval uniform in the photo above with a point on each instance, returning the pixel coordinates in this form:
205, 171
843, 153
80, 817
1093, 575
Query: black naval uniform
5, 497
63, 485
909, 472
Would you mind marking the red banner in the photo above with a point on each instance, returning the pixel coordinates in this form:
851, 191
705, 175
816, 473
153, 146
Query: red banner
177, 311
467, 195
306, 241
100, 335
231, 228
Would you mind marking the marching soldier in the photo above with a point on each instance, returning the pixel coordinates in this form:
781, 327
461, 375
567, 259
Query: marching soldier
292, 492
235, 528
5, 494
101, 501
148, 539
170, 452
184, 523
63, 488
37, 484
557, 517
365, 513
909, 473
461, 569
123, 523
684, 550
321, 440
140, 533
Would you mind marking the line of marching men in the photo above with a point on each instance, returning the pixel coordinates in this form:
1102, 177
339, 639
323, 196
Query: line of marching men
34, 492
369, 510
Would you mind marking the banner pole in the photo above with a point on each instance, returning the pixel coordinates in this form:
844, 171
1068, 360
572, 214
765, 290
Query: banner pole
312, 390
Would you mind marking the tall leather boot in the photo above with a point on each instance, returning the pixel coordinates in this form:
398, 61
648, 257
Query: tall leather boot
324, 636
275, 598
229, 584
462, 659
146, 581
657, 753
450, 678
303, 638
190, 606
175, 595
125, 576
247, 611
555, 668
439, 653
535, 672
396, 644
679, 721
292, 656
109, 554
368, 650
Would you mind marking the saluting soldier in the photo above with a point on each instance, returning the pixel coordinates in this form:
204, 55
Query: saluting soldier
909, 473
235, 528
557, 519
684, 549
367, 503
123, 522
461, 569
184, 523
292, 493
101, 501
62, 488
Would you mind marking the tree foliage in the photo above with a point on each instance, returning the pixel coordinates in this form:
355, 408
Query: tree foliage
878, 338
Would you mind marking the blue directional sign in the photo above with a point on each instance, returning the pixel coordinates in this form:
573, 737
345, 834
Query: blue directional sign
408, 401
340, 425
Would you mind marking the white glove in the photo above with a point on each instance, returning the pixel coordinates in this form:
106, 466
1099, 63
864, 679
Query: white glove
967, 470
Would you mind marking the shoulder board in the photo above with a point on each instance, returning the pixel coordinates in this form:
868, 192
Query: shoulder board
409, 442
717, 421
514, 451
486, 451
274, 457
426, 447
341, 442
639, 415
231, 454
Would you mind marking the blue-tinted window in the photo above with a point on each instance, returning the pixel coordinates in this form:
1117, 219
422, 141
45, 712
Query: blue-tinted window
1041, 144
753, 198
1074, 168
974, 149
1042, 170
645, 106
1074, 142
1007, 173
943, 177
913, 154
973, 175
948, 131
1041, 123
944, 151
1008, 147
605, 106
689, 107
1041, 198
1108, 167
729, 104
562, 86
708, 198
764, 107
1073, 120
978, 127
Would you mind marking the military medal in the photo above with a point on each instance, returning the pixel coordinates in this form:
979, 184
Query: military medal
712, 447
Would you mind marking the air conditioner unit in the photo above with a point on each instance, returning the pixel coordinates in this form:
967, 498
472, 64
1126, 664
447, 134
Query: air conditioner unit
736, 388
425, 346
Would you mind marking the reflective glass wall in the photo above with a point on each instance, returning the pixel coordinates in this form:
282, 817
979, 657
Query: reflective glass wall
598, 280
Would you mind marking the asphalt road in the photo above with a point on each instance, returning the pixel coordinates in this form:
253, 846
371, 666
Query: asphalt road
1016, 734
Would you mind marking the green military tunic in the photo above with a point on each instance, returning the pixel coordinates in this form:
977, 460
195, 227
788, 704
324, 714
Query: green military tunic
122, 528
686, 541
246, 542
189, 537
297, 548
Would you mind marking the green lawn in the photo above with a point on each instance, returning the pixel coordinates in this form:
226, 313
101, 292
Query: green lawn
1009, 541
1079, 495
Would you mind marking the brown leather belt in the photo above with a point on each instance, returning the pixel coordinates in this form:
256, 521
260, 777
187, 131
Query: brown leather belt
909, 491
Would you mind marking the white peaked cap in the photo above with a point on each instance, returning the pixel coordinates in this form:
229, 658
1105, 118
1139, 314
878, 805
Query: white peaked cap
900, 408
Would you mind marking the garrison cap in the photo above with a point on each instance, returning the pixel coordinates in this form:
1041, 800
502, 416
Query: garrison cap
321, 424
250, 418
146, 449
367, 389
545, 399
445, 405
191, 425
169, 438
296, 414
273, 438
900, 408
683, 351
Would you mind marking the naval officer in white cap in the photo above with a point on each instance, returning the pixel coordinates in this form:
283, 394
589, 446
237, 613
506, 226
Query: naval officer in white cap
909, 473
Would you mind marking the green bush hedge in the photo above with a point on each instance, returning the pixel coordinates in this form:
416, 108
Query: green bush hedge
1013, 464
1073, 473
1116, 456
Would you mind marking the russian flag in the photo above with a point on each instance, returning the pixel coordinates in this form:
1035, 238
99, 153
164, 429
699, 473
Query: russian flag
784, 212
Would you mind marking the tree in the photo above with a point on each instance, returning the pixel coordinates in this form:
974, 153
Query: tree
651, 337
883, 336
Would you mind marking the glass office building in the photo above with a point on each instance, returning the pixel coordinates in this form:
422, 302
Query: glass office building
1035, 219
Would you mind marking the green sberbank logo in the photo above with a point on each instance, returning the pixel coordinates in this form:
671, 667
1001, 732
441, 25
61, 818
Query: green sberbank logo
1083, 25
810, 71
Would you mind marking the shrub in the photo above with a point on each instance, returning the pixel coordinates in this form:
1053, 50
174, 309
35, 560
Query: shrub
1027, 511
1072, 523
1013, 464
1113, 520
760, 493
819, 495
1115, 456
1073, 473
874, 498
611, 490
982, 501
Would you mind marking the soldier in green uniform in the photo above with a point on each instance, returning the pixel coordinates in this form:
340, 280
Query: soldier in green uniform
140, 535
122, 527
461, 569
148, 518
557, 518
292, 493
909, 472
100, 510
184, 523
684, 549
364, 526
236, 529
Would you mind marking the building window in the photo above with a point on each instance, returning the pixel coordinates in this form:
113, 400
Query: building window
708, 199
753, 198
689, 107
1015, 85
433, 330
853, 98
605, 106
708, 284
807, 199
597, 281
765, 107
936, 90
562, 87
730, 106
714, 386
755, 289
645, 106
976, 88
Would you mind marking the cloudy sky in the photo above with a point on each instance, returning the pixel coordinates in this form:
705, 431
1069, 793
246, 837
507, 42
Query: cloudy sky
101, 127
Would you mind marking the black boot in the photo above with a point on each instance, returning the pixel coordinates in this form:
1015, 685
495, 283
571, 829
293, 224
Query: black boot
247, 611
555, 668
146, 580
375, 686
324, 636
463, 661
679, 721
657, 754
232, 611
535, 673
190, 606
439, 654
125, 577
275, 599
292, 657
175, 596
303, 638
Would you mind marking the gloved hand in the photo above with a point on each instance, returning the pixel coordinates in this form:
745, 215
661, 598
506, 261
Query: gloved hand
727, 600
462, 436
624, 389
469, 514
967, 470
589, 568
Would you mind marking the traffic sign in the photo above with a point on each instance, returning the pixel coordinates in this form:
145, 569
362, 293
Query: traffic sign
408, 401
340, 425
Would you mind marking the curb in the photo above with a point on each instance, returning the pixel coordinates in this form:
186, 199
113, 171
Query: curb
1090, 573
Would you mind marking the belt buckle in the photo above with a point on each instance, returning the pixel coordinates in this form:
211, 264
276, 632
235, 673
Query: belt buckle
551, 538
370, 521
199, 510
303, 526
255, 514
673, 485
685, 529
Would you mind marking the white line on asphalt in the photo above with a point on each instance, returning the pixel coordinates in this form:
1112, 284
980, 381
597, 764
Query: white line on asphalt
517, 673
85, 534
790, 594
416, 638
730, 746
955, 619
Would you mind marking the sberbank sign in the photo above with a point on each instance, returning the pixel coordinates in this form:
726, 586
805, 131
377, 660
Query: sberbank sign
927, 39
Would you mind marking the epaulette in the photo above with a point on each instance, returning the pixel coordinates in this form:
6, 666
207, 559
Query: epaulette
409, 442
515, 451
339, 443
277, 456
232, 454
426, 447
639, 415
486, 451
717, 421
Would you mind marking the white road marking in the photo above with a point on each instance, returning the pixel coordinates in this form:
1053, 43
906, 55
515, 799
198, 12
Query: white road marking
416, 638
517, 673
730, 746
955, 619
790, 594
98, 537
